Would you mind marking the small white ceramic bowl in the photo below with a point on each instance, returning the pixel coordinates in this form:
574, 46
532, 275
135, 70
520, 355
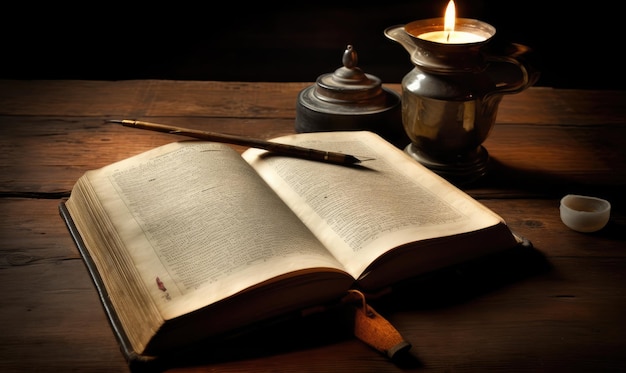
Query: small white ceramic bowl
583, 213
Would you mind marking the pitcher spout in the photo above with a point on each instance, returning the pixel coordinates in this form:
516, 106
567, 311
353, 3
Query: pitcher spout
397, 34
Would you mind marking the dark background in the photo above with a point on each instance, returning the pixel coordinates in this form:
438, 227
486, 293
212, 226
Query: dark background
579, 45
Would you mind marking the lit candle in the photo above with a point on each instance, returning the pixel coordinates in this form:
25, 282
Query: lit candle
449, 35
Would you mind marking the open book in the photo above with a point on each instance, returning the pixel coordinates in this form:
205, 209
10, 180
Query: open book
191, 239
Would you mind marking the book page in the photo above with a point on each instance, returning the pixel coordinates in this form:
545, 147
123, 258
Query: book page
361, 212
200, 225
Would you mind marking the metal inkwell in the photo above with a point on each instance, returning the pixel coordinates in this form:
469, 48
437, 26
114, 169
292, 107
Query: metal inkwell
349, 99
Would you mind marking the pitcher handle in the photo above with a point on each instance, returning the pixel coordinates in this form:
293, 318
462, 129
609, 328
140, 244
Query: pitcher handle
512, 56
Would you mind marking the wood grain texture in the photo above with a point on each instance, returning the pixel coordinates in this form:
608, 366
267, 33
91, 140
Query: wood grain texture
557, 307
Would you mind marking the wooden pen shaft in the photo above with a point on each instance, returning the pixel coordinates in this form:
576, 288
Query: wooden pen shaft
274, 147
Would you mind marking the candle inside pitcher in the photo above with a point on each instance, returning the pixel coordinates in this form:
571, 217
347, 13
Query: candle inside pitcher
450, 98
449, 35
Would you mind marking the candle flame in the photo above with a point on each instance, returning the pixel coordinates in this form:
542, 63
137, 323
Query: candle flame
450, 19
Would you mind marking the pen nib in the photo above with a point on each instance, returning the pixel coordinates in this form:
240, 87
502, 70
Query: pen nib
365, 159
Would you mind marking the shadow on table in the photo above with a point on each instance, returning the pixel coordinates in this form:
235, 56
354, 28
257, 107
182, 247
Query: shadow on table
539, 183
440, 289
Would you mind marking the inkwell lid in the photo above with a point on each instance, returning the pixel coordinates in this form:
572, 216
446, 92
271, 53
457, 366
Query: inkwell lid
349, 84
348, 99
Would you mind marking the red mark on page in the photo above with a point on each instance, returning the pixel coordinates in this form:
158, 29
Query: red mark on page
160, 284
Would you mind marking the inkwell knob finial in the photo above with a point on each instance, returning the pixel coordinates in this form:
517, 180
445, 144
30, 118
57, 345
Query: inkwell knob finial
350, 73
350, 58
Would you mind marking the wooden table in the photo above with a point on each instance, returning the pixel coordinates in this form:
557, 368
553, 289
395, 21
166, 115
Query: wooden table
560, 309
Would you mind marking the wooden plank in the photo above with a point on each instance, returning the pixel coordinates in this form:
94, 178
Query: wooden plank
68, 327
39, 223
543, 322
544, 105
33, 232
539, 221
47, 155
160, 98
555, 160
51, 318
544, 305
561, 301
152, 98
